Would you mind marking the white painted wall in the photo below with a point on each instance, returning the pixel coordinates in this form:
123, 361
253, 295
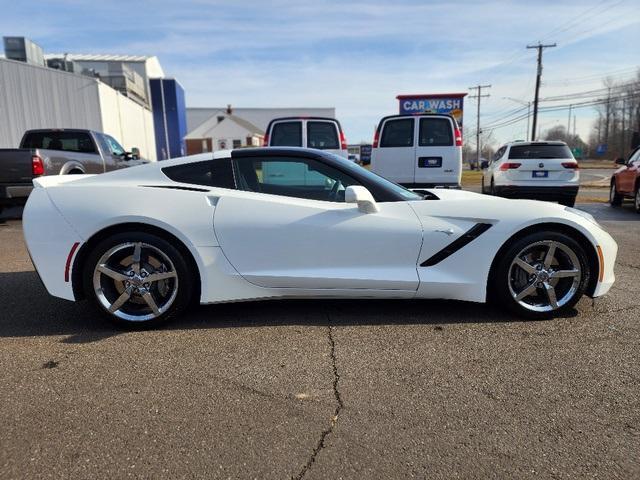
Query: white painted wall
38, 97
128, 122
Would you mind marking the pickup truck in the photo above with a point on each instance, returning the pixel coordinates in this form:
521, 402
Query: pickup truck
57, 152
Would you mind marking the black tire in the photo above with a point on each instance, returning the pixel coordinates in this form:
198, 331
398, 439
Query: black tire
615, 199
568, 202
492, 188
483, 189
171, 296
636, 200
505, 274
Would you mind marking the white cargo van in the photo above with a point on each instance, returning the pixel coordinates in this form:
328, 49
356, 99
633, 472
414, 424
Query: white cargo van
418, 151
309, 132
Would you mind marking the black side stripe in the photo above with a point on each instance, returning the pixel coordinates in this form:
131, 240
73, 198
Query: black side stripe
177, 187
460, 242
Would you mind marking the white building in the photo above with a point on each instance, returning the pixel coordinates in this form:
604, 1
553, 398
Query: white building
219, 128
129, 74
39, 97
222, 131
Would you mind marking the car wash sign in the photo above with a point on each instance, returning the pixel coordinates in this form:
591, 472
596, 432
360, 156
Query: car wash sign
446, 103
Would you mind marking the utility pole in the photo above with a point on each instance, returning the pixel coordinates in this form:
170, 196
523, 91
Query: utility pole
540, 47
479, 95
569, 122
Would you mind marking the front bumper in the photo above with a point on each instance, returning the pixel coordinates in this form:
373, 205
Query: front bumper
537, 193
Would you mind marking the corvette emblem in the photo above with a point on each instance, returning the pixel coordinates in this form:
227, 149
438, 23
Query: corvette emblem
541, 165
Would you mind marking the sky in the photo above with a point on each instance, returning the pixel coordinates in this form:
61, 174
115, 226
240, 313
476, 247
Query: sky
355, 56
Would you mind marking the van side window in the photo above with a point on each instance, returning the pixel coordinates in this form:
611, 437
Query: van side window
286, 134
397, 133
322, 135
435, 132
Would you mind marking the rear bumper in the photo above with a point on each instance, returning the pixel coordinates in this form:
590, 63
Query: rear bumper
11, 195
537, 193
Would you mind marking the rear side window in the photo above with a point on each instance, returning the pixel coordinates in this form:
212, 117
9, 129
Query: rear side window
210, 173
522, 152
435, 132
397, 133
80, 142
286, 134
322, 135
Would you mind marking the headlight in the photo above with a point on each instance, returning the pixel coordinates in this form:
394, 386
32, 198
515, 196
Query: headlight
583, 214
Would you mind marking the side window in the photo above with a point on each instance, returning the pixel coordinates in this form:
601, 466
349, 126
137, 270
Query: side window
286, 134
292, 177
210, 173
635, 158
435, 132
397, 133
322, 135
114, 147
498, 155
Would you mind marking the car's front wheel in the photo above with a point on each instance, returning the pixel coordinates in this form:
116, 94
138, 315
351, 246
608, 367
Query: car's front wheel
541, 275
137, 279
636, 200
615, 199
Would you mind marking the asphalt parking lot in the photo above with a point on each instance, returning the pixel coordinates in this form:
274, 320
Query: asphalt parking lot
321, 389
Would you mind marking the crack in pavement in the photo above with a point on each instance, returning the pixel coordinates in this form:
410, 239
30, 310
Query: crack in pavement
339, 406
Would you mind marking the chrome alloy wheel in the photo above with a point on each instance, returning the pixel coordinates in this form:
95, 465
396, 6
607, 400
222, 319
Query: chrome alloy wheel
544, 276
135, 281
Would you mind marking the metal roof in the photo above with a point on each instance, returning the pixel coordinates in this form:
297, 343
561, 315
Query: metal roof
99, 57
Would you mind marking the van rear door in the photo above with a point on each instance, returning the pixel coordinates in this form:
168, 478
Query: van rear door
286, 133
394, 157
437, 159
325, 135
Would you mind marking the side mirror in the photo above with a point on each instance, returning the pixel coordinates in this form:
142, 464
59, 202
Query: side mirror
621, 161
135, 153
360, 195
484, 165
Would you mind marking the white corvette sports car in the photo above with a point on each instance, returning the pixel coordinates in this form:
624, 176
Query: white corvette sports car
144, 242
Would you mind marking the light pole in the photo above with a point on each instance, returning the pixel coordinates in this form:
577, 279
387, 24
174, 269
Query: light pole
528, 105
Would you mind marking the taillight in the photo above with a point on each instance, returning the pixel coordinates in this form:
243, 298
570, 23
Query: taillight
37, 166
376, 137
509, 166
265, 140
458, 136
343, 141
571, 165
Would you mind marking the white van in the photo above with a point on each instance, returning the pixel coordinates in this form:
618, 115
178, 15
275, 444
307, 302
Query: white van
309, 132
418, 151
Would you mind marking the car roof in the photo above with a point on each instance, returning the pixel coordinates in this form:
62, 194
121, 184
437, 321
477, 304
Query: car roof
544, 142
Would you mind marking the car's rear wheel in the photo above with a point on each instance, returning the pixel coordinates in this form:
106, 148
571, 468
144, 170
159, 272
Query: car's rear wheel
636, 200
541, 275
137, 279
493, 187
615, 199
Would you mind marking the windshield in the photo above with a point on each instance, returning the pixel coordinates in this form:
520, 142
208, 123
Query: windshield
522, 152
372, 177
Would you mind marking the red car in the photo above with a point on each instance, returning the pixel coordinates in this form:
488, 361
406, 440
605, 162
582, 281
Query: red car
625, 182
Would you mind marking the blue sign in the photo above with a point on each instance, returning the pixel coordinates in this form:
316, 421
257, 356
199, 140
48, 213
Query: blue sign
601, 149
447, 104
